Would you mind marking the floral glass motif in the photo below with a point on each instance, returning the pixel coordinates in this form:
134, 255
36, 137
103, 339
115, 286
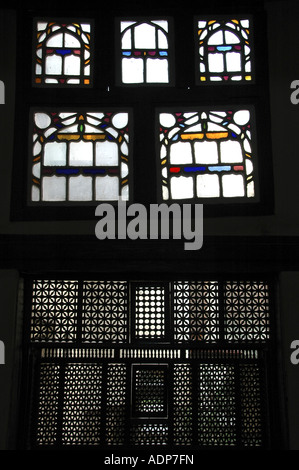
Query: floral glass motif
144, 51
62, 53
206, 154
224, 50
80, 156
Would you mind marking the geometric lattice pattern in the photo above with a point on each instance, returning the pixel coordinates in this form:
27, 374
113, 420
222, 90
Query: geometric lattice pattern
196, 311
182, 402
48, 404
246, 311
149, 312
252, 426
149, 397
103, 381
105, 311
217, 406
82, 404
54, 311
116, 404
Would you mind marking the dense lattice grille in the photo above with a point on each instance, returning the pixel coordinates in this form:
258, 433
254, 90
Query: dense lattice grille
178, 363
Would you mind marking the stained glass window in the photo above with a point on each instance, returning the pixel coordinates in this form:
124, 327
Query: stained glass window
80, 156
144, 51
207, 154
62, 53
224, 50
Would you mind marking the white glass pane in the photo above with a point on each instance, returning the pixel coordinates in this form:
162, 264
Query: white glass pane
124, 170
80, 188
55, 154
125, 193
72, 65
54, 188
181, 153
249, 166
233, 185
181, 187
157, 71
206, 152
106, 154
80, 154
231, 38
71, 41
120, 120
42, 120
233, 62
216, 63
231, 152
167, 119
242, 117
216, 39
162, 40
107, 188
145, 36
55, 41
126, 42
250, 189
53, 65
132, 70
36, 170
35, 194
207, 186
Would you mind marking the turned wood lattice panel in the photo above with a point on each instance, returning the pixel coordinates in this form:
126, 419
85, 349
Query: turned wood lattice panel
119, 363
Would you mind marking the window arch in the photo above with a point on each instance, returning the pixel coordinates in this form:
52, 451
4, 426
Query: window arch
62, 54
224, 51
144, 51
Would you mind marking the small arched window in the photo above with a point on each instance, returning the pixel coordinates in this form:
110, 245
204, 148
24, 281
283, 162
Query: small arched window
62, 54
144, 52
224, 51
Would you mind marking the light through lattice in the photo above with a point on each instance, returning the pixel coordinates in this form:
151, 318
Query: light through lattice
144, 51
80, 156
62, 53
207, 154
224, 51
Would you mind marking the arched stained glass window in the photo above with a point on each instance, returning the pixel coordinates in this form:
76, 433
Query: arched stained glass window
224, 51
62, 53
144, 51
207, 154
80, 156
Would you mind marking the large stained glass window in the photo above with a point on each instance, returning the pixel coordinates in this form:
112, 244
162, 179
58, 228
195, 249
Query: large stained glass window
224, 50
144, 51
207, 154
62, 53
80, 156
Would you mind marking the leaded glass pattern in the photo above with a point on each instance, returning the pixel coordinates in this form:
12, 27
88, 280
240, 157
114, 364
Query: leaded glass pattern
144, 51
79, 156
207, 154
224, 51
247, 311
196, 311
63, 53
